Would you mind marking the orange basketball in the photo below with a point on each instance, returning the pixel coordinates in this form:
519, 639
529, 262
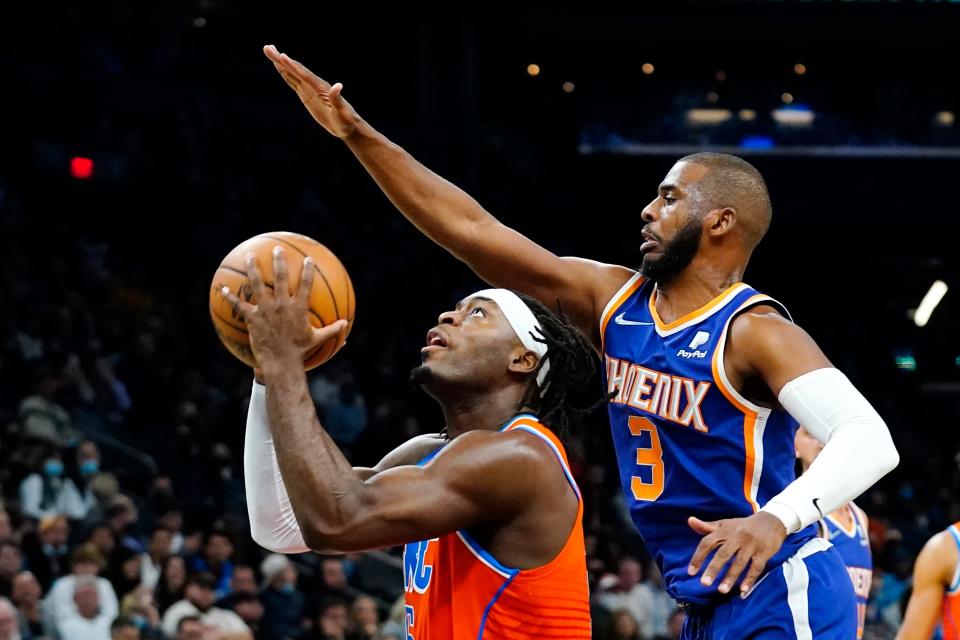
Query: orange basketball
331, 297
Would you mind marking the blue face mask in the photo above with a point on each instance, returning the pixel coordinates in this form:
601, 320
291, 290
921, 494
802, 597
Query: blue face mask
89, 467
288, 588
53, 468
140, 622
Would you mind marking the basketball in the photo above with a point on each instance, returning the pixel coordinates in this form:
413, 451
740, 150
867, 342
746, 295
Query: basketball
331, 297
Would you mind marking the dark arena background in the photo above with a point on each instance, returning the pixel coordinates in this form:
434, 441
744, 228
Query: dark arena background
142, 141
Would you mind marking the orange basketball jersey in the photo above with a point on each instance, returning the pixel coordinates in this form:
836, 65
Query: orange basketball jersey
951, 600
456, 590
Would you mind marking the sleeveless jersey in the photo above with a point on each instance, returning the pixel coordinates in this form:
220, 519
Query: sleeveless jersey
687, 442
951, 599
854, 547
456, 590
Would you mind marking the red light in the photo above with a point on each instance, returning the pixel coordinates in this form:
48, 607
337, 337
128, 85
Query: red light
81, 168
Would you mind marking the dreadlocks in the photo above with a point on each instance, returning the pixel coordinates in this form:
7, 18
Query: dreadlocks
572, 365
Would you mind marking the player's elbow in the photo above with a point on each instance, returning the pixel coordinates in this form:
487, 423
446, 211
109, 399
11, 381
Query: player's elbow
327, 539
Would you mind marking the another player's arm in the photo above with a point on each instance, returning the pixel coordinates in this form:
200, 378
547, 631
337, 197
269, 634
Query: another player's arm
451, 218
764, 349
932, 574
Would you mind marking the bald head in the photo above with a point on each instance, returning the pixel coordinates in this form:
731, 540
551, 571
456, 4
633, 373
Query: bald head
733, 182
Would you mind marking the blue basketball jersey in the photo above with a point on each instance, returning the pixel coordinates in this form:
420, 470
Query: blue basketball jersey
687, 442
853, 543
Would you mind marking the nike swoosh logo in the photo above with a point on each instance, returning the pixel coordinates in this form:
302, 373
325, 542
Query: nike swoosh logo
620, 320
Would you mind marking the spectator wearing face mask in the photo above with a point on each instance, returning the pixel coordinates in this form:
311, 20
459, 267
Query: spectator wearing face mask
88, 466
283, 603
46, 549
48, 492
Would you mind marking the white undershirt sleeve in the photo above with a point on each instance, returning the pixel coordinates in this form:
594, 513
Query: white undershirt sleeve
272, 521
858, 449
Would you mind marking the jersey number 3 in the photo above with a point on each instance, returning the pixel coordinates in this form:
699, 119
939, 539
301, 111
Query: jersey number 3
651, 456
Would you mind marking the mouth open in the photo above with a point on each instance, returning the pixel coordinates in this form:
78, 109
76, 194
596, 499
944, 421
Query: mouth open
435, 340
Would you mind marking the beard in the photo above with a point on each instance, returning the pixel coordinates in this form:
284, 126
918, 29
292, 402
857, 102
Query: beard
677, 254
420, 375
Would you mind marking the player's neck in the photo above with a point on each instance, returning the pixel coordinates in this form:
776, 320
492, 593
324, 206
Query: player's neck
693, 288
489, 410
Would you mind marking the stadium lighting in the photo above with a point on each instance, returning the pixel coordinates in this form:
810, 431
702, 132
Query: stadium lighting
81, 168
747, 114
720, 76
647, 68
945, 118
568, 87
713, 97
799, 69
533, 70
787, 98
930, 301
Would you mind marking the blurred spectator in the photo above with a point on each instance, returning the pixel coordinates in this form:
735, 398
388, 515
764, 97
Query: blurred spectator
158, 550
100, 536
42, 417
199, 601
283, 604
140, 606
86, 562
123, 570
331, 621
662, 606
364, 619
122, 516
251, 611
6, 531
48, 492
346, 418
11, 562
333, 579
88, 466
674, 625
623, 626
124, 629
172, 520
26, 596
172, 582
88, 621
217, 560
244, 583
46, 549
9, 629
191, 628
626, 592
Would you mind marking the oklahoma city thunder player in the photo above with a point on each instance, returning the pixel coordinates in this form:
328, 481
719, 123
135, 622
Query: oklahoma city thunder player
491, 515
711, 379
848, 531
936, 589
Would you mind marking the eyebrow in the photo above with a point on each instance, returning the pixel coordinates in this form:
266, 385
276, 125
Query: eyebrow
666, 186
460, 304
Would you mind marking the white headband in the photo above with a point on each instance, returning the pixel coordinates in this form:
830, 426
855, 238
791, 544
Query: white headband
523, 323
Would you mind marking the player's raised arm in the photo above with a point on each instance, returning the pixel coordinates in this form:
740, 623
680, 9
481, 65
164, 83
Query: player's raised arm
453, 219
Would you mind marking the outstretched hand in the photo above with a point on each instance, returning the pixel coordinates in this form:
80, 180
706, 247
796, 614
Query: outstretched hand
323, 100
279, 324
747, 542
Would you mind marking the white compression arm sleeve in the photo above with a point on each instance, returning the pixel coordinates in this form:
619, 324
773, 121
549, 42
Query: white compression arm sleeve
272, 522
858, 449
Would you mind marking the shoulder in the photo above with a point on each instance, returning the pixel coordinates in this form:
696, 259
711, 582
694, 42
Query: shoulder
411, 452
937, 560
516, 458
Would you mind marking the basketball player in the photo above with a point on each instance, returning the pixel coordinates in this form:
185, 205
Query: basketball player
711, 379
488, 510
936, 589
848, 531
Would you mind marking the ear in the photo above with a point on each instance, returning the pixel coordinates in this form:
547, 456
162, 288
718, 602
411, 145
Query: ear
720, 221
522, 360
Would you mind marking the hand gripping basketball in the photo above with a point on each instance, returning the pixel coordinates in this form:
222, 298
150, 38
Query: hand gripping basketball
279, 324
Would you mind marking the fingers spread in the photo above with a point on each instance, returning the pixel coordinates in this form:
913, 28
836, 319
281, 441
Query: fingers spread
256, 278
280, 276
306, 280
